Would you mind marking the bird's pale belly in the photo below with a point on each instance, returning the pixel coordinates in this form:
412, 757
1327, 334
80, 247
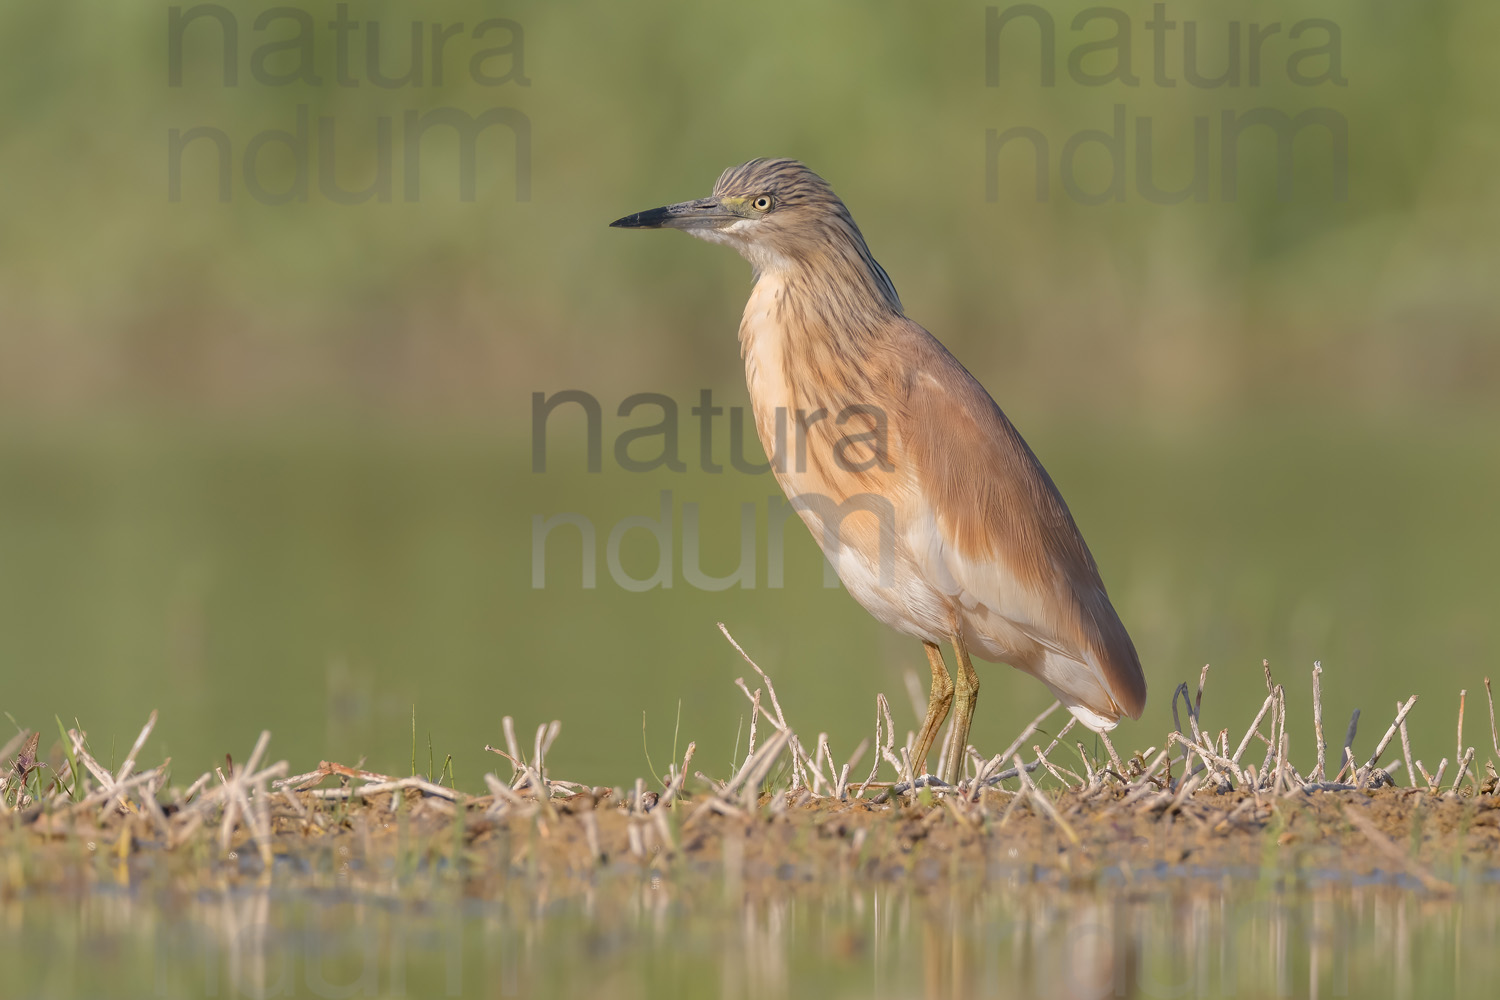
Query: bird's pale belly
882, 574
909, 593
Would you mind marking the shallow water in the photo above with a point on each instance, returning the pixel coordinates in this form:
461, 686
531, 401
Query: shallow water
624, 937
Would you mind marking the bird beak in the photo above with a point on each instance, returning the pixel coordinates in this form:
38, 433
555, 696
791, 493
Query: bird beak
705, 213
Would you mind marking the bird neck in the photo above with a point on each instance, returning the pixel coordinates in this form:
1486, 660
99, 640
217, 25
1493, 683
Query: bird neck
835, 287
814, 335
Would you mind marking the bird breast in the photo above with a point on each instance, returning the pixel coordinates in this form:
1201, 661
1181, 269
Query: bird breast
829, 433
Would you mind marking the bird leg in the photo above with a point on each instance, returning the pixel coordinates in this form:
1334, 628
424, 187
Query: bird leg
966, 694
938, 702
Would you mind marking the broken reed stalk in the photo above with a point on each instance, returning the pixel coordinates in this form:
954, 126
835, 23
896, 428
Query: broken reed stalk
394, 785
1052, 768
755, 772
1254, 728
1006, 775
882, 750
1494, 737
1045, 803
1114, 757
842, 789
1198, 701
1016, 743
1317, 681
803, 763
820, 753
1463, 768
1411, 774
1283, 753
1181, 691
770, 688
676, 786
755, 711
1458, 754
1209, 757
1385, 740
90, 764
1347, 760
1278, 719
528, 774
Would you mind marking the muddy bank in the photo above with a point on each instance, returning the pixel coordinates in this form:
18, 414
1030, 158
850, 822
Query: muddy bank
1407, 836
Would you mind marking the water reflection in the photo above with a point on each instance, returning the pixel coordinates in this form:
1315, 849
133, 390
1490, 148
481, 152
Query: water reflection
622, 939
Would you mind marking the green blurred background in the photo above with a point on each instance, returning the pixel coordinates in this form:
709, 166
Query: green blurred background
269, 465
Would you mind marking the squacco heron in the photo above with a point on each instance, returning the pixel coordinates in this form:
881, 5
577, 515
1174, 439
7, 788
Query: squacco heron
934, 512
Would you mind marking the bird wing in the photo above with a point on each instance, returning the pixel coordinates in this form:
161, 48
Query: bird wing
1001, 536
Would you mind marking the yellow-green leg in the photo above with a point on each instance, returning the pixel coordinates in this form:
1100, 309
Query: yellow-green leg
939, 700
965, 695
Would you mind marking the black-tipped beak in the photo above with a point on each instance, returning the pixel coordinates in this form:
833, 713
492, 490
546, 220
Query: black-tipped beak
705, 213
652, 218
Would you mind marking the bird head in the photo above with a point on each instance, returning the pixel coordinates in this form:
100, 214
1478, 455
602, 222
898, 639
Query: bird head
777, 213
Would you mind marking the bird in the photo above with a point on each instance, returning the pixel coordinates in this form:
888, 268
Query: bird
937, 516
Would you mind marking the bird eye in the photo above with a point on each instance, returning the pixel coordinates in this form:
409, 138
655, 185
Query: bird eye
763, 203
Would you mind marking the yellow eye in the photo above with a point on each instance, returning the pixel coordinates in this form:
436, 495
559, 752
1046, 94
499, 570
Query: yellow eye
763, 203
